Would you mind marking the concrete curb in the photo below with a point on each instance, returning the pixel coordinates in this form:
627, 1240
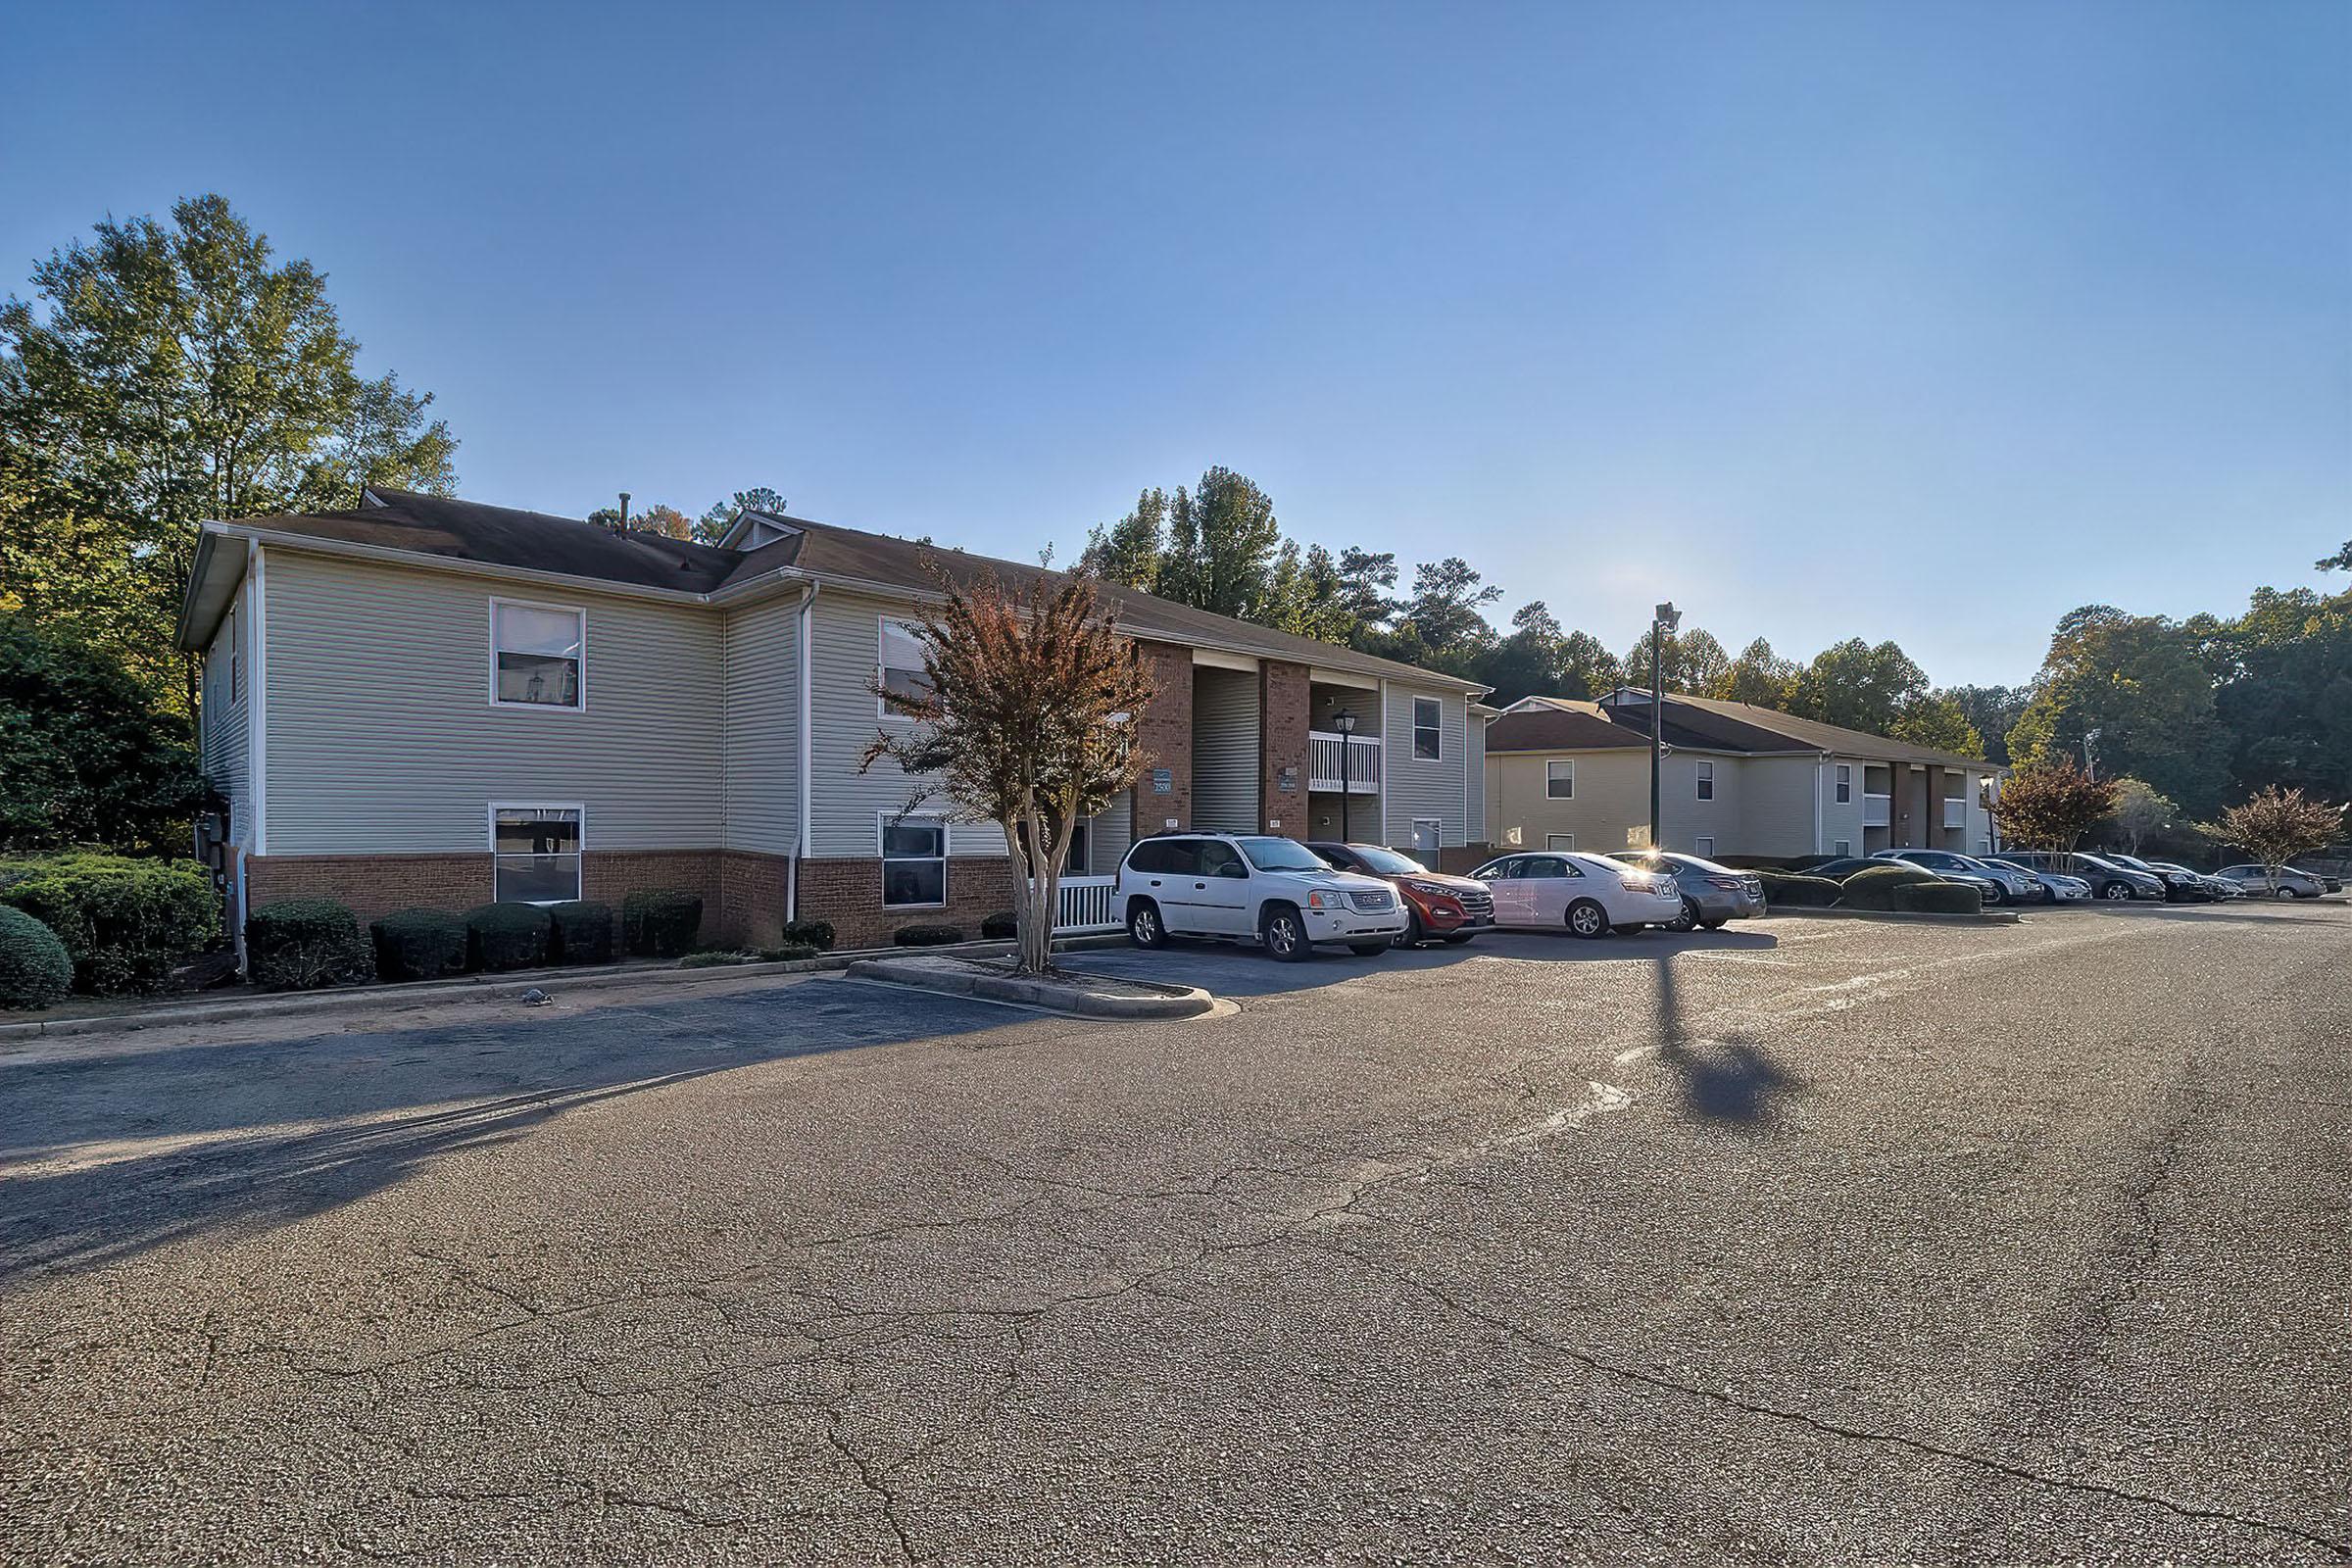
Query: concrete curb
960, 980
1901, 917
486, 986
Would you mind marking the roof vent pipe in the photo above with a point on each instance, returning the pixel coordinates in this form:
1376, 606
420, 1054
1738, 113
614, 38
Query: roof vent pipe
622, 525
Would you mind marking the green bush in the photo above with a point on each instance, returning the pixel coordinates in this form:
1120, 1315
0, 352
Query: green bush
660, 922
816, 934
583, 933
303, 944
1939, 897
789, 952
714, 957
1002, 926
1798, 892
419, 944
1874, 889
1806, 863
36, 970
508, 936
126, 923
927, 936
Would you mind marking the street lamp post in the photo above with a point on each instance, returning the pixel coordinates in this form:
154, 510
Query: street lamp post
1343, 725
1662, 621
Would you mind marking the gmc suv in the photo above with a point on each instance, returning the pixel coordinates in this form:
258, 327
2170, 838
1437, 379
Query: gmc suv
1272, 891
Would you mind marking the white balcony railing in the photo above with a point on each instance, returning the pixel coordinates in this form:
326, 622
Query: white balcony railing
1086, 905
1877, 809
1955, 811
1343, 762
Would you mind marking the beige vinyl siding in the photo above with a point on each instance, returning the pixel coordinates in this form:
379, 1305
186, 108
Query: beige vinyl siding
225, 716
763, 695
1225, 747
382, 738
1609, 811
1418, 788
1776, 808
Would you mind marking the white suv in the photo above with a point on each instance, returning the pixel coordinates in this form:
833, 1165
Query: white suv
1273, 891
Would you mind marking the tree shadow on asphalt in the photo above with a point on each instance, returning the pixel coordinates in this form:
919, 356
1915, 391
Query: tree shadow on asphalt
136, 1149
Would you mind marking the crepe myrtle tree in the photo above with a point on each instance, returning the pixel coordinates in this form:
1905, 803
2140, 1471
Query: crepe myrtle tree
2277, 825
2050, 808
1021, 718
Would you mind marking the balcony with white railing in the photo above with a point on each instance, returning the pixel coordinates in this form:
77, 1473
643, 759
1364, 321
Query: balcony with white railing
1878, 811
1350, 762
1955, 811
1087, 904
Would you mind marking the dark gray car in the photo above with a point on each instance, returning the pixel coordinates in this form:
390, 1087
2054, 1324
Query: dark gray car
1711, 894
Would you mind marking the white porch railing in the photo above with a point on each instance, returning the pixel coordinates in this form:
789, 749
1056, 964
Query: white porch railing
1955, 811
1877, 811
1086, 904
1343, 762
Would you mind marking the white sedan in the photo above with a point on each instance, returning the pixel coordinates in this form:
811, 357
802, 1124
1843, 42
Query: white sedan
1586, 893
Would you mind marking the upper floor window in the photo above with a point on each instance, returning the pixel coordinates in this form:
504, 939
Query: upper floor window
1425, 728
900, 663
1846, 783
539, 654
1559, 779
1706, 781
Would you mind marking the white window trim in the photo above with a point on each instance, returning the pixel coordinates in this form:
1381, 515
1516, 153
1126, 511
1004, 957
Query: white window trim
1552, 844
1415, 727
490, 821
1550, 762
882, 624
1704, 781
581, 611
1843, 784
946, 853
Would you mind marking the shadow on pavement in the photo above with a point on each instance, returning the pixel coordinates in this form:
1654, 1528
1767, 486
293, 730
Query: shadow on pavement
110, 1153
1731, 1080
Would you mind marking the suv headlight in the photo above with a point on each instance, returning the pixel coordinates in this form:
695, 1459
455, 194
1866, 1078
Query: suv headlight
1319, 899
1430, 890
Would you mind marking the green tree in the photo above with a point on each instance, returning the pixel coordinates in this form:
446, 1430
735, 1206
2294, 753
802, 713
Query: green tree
1443, 620
1223, 539
2341, 561
89, 753
1694, 662
1758, 677
2283, 694
1859, 686
1127, 552
2141, 814
168, 375
2139, 689
1934, 720
717, 518
1367, 589
1993, 712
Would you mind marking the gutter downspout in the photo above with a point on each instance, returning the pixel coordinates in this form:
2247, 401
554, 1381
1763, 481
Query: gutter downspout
1820, 806
799, 847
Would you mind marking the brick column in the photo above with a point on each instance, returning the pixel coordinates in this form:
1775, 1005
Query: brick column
1164, 731
1283, 719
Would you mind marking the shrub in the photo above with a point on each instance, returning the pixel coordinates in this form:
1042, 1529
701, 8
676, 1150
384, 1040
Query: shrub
1806, 863
1874, 889
583, 933
1002, 926
508, 936
713, 957
36, 970
817, 934
660, 922
126, 923
302, 944
1798, 892
788, 952
419, 944
927, 936
1939, 897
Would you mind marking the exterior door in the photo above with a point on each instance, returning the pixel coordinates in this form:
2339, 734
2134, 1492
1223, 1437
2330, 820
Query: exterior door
1223, 889
1170, 870
1550, 886
1513, 901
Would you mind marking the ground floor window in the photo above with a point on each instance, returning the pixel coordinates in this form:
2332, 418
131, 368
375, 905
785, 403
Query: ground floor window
914, 861
535, 852
1705, 849
1560, 841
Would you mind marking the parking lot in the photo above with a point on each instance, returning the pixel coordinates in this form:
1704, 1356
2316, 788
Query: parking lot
1811, 1239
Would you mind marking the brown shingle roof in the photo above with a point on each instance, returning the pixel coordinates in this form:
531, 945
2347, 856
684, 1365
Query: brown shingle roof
1558, 729
1741, 726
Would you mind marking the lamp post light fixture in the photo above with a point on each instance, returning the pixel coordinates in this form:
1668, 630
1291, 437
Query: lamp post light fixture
1662, 621
1343, 725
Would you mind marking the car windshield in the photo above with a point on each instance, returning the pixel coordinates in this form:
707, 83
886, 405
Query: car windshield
1283, 854
1388, 863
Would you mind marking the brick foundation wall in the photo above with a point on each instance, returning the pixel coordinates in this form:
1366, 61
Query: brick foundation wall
371, 886
849, 893
1460, 860
1282, 717
752, 890
1164, 731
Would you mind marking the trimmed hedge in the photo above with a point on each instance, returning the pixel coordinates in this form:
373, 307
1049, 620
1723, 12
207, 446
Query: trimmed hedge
719, 957
1798, 892
508, 936
36, 970
1874, 889
1939, 897
419, 944
583, 932
1002, 926
303, 944
789, 952
127, 924
817, 934
660, 922
927, 936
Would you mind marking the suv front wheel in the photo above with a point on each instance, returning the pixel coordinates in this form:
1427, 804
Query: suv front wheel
1284, 933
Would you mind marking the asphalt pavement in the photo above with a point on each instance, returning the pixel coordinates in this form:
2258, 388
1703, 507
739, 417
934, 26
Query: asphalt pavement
1809, 1241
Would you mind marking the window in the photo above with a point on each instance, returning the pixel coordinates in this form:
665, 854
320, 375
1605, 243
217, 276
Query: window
1559, 778
914, 861
1427, 834
900, 662
1082, 848
1843, 847
1846, 783
1547, 866
536, 854
1424, 729
1560, 841
1502, 870
1164, 858
538, 655
1706, 781
1220, 859
1705, 849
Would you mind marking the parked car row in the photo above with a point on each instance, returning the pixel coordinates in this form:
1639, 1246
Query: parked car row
2035, 876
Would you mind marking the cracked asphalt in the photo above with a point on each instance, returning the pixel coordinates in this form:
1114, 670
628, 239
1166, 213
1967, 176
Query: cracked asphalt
1810, 1240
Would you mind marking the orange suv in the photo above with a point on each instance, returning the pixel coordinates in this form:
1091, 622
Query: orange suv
1453, 908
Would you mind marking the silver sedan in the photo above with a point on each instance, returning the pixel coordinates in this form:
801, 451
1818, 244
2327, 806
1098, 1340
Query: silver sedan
1711, 894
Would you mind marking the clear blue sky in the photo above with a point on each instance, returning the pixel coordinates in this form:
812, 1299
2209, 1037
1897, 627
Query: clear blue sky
1901, 320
